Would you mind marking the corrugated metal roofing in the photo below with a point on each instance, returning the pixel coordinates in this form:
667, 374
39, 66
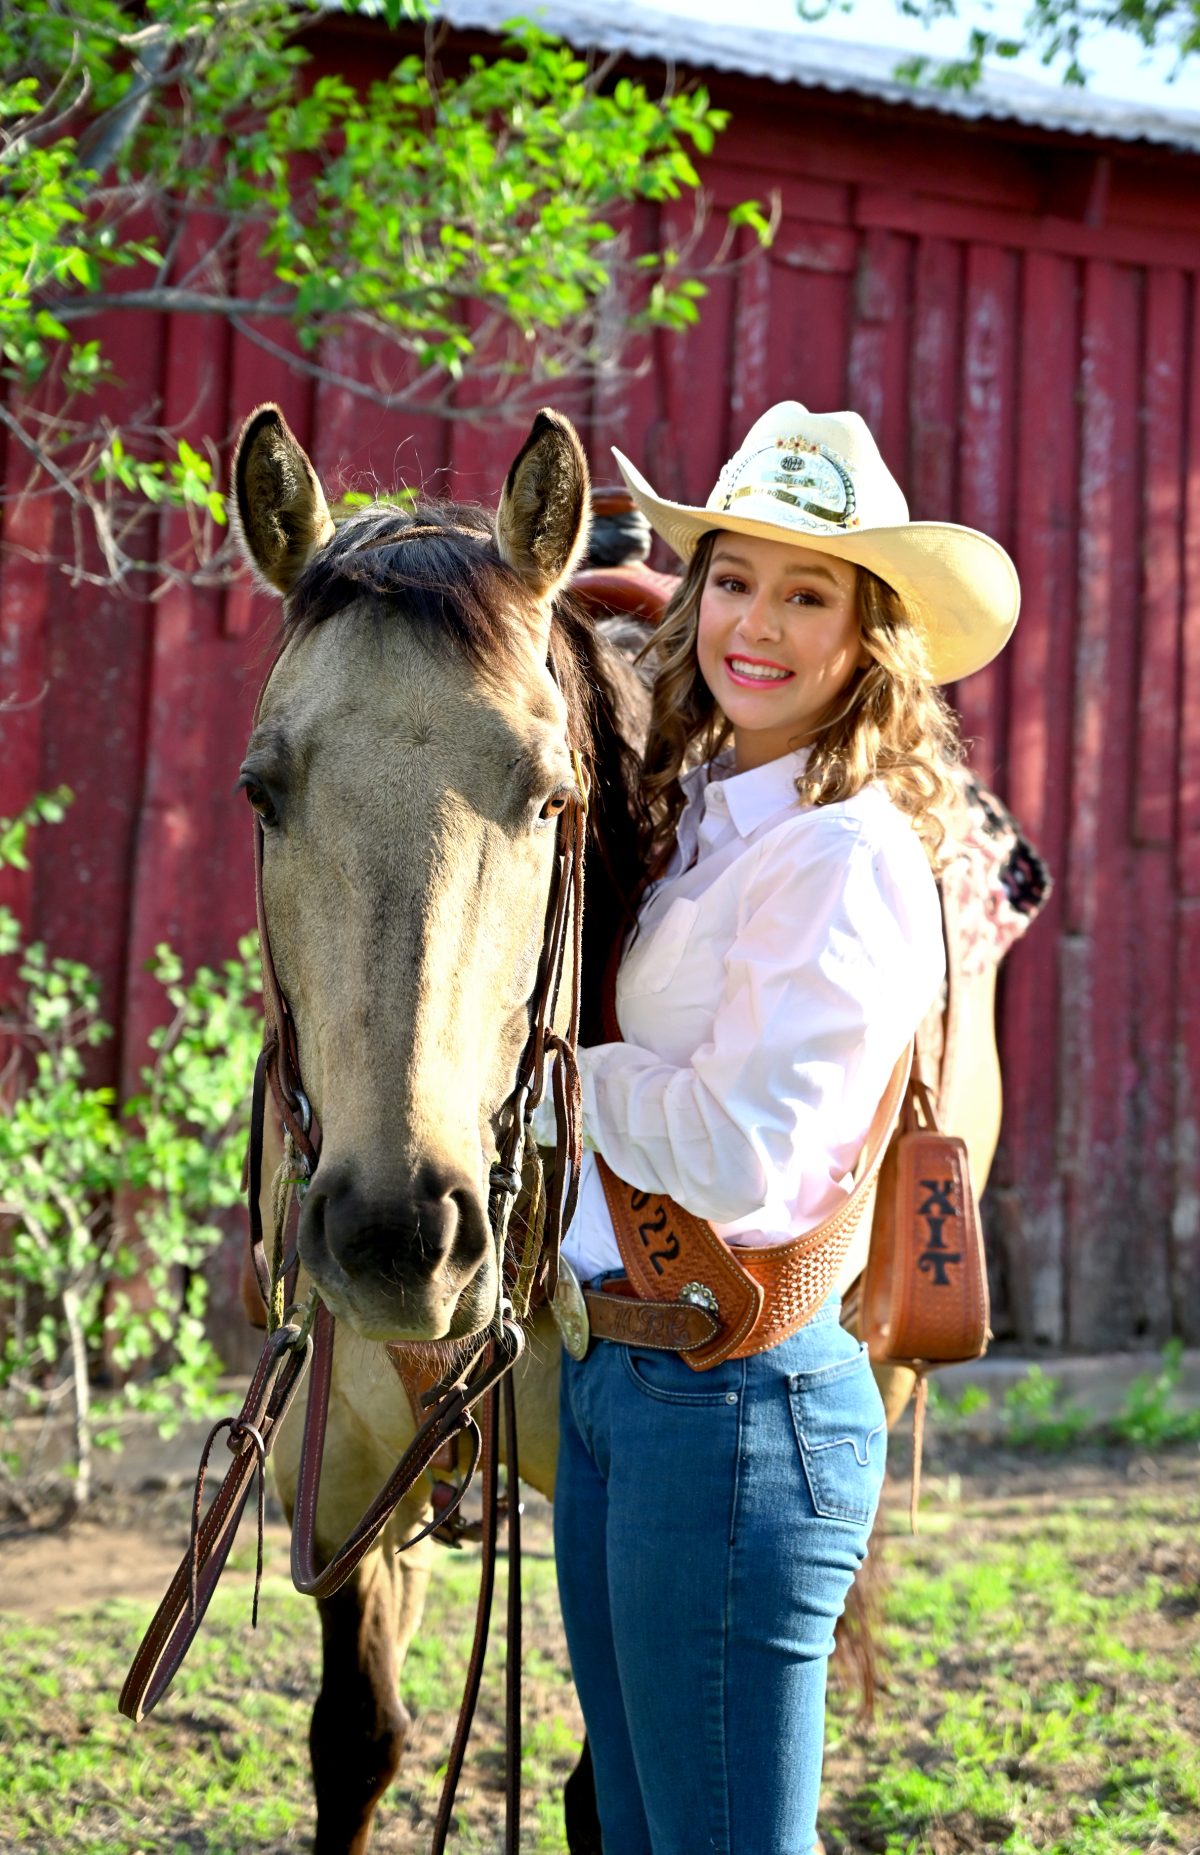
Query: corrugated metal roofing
805, 58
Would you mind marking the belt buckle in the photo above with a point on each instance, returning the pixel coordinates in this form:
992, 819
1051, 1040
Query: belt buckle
570, 1311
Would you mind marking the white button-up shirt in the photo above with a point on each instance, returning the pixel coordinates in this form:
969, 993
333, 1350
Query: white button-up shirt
777, 972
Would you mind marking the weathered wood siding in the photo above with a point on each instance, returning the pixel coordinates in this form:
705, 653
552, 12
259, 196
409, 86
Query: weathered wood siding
1016, 316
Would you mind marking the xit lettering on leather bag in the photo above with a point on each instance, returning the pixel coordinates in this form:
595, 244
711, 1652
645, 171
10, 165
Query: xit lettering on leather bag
925, 1293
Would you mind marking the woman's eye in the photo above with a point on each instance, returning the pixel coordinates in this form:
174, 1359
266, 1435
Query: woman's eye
802, 597
729, 584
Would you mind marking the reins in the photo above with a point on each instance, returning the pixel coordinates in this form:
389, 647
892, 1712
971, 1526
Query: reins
296, 1338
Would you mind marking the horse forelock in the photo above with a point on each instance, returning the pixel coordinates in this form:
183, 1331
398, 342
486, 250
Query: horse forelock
436, 568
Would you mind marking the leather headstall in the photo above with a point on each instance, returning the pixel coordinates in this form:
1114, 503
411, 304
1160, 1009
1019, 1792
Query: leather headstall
295, 1337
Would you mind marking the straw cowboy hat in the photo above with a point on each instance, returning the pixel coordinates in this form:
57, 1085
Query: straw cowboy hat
817, 479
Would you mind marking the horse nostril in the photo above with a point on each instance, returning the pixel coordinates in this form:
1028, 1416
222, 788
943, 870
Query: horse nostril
395, 1237
312, 1236
474, 1230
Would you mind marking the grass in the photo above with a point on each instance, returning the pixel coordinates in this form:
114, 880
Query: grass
221, 1766
1043, 1695
1042, 1685
1035, 1412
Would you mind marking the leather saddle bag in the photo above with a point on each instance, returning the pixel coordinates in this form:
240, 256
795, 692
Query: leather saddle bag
924, 1297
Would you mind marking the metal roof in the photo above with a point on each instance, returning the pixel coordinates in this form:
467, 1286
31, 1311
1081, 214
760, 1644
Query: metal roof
803, 57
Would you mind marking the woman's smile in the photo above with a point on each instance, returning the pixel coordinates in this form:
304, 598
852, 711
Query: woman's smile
755, 670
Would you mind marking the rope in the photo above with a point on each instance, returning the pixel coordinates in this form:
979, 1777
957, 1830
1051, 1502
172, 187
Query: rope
282, 1186
535, 1224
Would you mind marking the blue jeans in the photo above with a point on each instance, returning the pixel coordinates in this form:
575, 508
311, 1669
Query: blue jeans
707, 1527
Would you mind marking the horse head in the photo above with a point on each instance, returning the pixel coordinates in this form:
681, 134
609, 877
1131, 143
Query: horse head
414, 743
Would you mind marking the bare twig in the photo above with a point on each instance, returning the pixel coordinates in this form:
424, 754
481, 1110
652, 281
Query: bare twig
40, 455
49, 121
116, 560
81, 1487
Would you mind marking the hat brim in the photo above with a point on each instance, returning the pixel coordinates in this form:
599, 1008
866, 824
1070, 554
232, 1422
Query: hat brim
959, 585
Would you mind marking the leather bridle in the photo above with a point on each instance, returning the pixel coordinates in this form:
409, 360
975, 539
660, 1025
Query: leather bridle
294, 1339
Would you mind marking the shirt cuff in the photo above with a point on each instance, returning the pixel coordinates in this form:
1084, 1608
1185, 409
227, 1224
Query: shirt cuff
543, 1124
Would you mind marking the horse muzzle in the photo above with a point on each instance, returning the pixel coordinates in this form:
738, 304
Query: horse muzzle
400, 1264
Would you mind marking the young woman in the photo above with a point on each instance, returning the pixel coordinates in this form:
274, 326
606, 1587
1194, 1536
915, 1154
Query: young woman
708, 1523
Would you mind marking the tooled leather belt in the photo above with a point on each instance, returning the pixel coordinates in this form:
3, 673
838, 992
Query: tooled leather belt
615, 1312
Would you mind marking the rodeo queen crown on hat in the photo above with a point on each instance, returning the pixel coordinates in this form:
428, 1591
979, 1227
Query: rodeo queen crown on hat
818, 479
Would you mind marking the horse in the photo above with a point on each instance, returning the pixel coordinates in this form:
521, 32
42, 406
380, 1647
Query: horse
426, 716
434, 697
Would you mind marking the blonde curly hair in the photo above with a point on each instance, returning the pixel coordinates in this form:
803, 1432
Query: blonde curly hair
892, 723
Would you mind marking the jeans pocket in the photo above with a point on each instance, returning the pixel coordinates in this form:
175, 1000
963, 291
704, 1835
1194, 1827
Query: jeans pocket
664, 1377
842, 1435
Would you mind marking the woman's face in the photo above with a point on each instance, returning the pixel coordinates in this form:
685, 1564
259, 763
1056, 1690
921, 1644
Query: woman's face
778, 641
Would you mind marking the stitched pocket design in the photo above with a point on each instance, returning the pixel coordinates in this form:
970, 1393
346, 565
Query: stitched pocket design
653, 960
842, 1435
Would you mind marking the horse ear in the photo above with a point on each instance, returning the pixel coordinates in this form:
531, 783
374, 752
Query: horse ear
544, 516
282, 513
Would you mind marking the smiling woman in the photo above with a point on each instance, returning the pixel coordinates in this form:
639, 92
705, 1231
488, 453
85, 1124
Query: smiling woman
720, 1460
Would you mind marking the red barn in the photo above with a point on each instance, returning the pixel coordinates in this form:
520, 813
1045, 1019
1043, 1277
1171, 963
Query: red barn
1005, 286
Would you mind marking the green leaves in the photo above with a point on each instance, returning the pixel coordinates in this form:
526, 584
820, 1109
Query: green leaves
493, 191
191, 1111
94, 1193
186, 479
751, 214
469, 224
1056, 31
44, 808
403, 235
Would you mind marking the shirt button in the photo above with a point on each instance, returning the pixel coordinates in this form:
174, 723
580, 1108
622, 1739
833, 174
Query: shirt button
731, 1397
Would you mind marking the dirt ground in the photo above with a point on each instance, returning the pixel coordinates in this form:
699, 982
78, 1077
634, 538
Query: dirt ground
129, 1542
1128, 1558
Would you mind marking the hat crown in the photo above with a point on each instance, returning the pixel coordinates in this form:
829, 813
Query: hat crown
816, 473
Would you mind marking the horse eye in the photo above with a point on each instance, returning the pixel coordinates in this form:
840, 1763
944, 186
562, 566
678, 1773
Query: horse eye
555, 805
259, 797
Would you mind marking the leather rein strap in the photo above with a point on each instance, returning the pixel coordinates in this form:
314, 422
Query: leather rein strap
290, 1346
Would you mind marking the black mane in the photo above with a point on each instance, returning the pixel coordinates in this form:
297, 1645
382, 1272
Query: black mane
440, 557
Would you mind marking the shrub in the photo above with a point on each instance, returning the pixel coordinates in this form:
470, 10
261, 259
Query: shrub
95, 1192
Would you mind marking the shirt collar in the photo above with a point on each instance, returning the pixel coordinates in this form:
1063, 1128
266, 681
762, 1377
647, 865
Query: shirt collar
753, 797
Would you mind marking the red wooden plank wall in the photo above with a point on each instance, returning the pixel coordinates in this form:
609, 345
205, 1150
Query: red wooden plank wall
1016, 316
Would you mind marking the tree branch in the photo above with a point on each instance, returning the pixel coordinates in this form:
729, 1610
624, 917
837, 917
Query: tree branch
100, 145
117, 561
170, 300
45, 125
